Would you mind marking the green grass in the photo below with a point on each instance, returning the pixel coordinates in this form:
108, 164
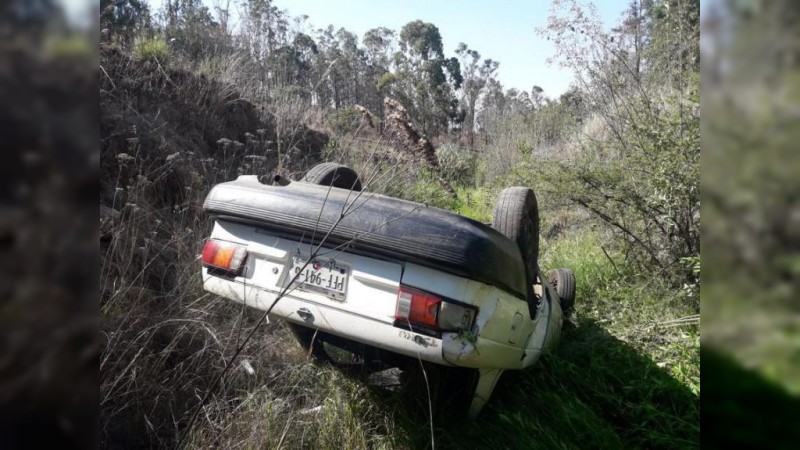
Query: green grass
613, 382
475, 203
310, 406
636, 308
595, 391
744, 409
68, 47
152, 49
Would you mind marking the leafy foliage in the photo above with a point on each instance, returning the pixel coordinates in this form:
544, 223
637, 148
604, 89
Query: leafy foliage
637, 170
125, 17
152, 49
344, 121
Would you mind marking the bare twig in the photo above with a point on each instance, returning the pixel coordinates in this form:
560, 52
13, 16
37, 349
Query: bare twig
613, 264
114, 86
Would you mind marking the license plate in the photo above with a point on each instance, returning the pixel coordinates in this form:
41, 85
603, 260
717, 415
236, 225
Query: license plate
325, 276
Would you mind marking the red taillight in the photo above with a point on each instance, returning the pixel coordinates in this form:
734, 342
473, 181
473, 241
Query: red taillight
224, 255
417, 307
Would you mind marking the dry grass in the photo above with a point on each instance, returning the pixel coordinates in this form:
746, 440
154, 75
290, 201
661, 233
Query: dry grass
167, 138
155, 49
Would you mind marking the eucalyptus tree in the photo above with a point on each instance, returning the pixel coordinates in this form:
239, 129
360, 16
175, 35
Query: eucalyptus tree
476, 74
379, 46
425, 80
124, 18
190, 27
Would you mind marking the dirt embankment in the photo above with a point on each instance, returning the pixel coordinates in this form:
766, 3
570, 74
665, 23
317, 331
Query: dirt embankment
156, 114
167, 136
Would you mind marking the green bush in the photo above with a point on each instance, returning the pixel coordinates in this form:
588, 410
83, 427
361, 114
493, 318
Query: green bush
428, 191
155, 49
643, 185
458, 164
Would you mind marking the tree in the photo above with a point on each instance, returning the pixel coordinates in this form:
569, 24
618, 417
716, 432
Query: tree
264, 29
425, 79
341, 65
379, 44
124, 17
192, 27
30, 15
476, 74
292, 63
421, 41
672, 30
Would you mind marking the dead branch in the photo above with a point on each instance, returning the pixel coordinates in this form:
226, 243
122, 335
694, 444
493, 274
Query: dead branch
411, 141
366, 116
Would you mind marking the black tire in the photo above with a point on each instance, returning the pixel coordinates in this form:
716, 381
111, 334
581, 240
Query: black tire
516, 215
333, 174
563, 281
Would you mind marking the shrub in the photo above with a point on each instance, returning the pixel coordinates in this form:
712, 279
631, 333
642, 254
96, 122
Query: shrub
644, 184
152, 49
427, 191
458, 164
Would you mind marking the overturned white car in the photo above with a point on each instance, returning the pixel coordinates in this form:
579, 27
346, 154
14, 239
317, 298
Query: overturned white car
387, 279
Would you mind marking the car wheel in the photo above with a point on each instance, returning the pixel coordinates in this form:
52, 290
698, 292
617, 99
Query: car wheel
563, 281
516, 215
333, 174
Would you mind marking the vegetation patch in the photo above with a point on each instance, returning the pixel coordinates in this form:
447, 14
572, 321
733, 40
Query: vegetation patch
153, 49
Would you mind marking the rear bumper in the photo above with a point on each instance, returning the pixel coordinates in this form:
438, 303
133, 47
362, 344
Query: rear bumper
453, 349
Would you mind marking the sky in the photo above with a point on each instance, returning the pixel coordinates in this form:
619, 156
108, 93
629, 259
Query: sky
503, 30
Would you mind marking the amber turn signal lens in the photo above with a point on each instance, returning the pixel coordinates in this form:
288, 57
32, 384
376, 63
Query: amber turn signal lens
224, 255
